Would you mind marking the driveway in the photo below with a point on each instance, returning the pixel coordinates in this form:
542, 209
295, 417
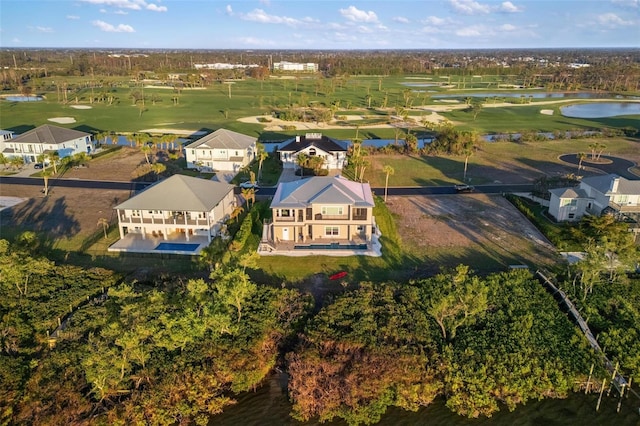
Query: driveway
619, 166
289, 175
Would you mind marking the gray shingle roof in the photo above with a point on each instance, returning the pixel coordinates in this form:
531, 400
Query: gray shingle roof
301, 142
323, 190
604, 183
49, 134
224, 139
179, 193
569, 193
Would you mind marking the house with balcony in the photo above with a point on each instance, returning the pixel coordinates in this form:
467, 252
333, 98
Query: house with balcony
45, 139
321, 216
181, 214
332, 152
597, 195
222, 150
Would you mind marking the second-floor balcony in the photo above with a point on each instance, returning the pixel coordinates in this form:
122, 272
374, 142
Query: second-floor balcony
173, 220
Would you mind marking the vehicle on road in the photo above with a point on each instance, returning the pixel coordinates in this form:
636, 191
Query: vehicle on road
38, 166
249, 184
464, 188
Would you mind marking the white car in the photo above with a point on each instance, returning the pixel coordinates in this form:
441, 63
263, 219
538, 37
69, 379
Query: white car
249, 184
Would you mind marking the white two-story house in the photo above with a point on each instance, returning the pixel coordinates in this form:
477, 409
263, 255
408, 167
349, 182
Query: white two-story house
180, 209
222, 150
332, 152
321, 215
48, 138
597, 195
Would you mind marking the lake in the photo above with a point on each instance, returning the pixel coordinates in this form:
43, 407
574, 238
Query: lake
23, 98
269, 405
537, 95
600, 110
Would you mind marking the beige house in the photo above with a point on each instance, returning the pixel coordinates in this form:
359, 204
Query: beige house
180, 214
321, 215
222, 150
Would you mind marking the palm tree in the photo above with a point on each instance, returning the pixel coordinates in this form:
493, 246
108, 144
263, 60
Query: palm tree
16, 162
146, 150
249, 194
3, 160
45, 176
105, 225
580, 156
54, 156
235, 214
262, 155
158, 169
302, 159
388, 170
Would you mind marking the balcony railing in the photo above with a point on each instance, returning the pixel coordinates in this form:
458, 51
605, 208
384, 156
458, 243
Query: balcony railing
163, 221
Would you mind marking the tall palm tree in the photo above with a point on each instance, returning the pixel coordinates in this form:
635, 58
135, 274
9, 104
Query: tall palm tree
54, 156
249, 194
581, 156
302, 159
45, 175
388, 170
158, 169
3, 160
146, 150
262, 155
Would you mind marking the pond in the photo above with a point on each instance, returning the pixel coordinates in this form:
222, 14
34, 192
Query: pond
23, 98
600, 110
537, 95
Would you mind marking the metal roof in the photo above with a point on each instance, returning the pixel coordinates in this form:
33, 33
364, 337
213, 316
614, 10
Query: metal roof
318, 141
322, 190
49, 134
179, 193
224, 139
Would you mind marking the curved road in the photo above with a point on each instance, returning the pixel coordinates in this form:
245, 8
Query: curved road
268, 191
618, 165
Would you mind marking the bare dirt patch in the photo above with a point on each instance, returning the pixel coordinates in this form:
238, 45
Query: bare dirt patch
119, 166
477, 229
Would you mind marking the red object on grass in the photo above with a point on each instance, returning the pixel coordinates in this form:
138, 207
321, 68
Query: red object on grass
338, 275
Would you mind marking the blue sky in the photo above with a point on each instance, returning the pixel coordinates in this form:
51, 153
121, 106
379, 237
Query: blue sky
319, 24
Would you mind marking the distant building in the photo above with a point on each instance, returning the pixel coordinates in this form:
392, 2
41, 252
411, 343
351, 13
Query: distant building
48, 138
294, 66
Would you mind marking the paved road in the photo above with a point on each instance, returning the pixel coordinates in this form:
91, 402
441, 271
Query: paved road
136, 186
618, 165
74, 183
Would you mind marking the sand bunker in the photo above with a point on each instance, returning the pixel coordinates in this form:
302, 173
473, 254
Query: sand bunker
81, 106
63, 120
546, 111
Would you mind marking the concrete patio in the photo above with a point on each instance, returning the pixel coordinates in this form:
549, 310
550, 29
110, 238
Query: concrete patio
134, 243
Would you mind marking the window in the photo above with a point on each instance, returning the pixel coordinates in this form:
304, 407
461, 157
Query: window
571, 215
567, 202
332, 210
331, 230
135, 213
312, 152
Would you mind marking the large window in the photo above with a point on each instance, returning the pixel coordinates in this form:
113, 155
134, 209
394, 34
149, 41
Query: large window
332, 210
331, 230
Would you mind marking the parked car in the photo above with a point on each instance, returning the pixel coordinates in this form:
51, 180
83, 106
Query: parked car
38, 166
249, 184
464, 188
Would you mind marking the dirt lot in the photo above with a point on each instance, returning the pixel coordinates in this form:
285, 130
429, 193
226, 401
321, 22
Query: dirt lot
477, 229
471, 228
70, 213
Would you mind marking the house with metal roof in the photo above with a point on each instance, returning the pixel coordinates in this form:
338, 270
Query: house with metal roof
222, 150
321, 215
48, 138
180, 214
332, 152
597, 195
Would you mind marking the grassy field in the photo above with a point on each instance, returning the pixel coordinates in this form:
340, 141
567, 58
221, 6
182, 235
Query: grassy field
222, 104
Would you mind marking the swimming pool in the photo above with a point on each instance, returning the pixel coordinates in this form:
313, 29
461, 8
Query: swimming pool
177, 247
334, 246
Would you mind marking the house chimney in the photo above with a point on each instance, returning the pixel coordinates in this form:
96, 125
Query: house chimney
614, 185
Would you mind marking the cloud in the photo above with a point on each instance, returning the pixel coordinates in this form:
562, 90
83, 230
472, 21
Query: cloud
611, 20
121, 12
508, 27
472, 31
45, 29
128, 4
469, 7
259, 15
253, 41
634, 4
356, 15
229, 10
401, 19
16, 40
106, 27
156, 8
73, 17
508, 7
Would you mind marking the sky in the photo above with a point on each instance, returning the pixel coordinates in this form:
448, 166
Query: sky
319, 24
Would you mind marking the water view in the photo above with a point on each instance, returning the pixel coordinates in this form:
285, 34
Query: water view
269, 405
535, 95
23, 98
601, 110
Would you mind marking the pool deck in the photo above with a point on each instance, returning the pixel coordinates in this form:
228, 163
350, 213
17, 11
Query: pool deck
286, 248
134, 243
